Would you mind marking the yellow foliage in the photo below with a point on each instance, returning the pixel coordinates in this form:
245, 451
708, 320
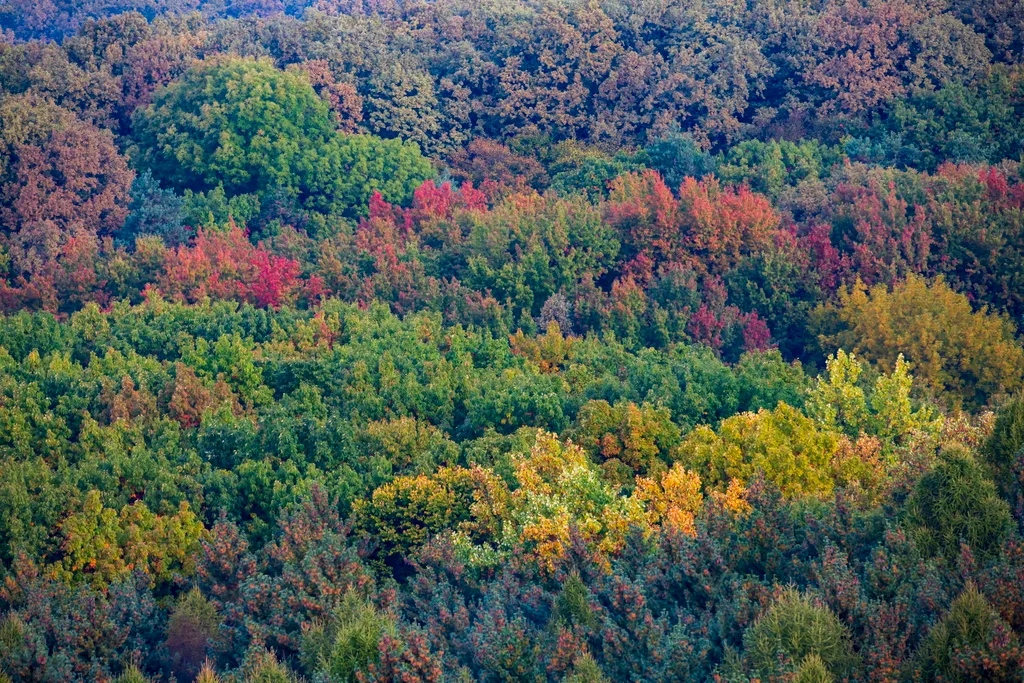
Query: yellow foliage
673, 501
550, 351
733, 499
788, 448
961, 355
560, 489
859, 467
101, 544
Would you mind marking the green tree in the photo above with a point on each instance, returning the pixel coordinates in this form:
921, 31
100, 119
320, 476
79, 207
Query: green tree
243, 125
971, 643
236, 122
639, 437
347, 642
797, 627
957, 503
1003, 449
838, 400
351, 168
192, 625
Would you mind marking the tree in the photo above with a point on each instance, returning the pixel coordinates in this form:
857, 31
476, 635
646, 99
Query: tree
639, 437
402, 514
192, 625
971, 643
101, 544
791, 450
351, 168
957, 503
61, 179
237, 123
961, 356
838, 401
1003, 448
672, 501
676, 156
247, 127
865, 43
797, 627
154, 211
347, 642
772, 167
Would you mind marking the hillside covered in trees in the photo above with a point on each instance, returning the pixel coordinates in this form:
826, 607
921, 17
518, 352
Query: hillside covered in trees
511, 341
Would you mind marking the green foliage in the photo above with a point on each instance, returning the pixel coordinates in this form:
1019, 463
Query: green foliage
677, 156
270, 396
402, 514
351, 168
236, 123
588, 172
132, 675
586, 670
774, 166
264, 667
1003, 449
243, 127
101, 544
347, 642
797, 628
813, 670
962, 356
971, 642
959, 122
957, 503
838, 401
572, 607
192, 626
765, 379
639, 437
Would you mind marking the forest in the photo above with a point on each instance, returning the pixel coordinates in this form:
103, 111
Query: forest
511, 341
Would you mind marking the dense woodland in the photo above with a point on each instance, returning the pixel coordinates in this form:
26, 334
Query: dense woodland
511, 341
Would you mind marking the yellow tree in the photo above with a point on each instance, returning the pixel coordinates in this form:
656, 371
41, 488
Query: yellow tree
101, 543
963, 356
790, 449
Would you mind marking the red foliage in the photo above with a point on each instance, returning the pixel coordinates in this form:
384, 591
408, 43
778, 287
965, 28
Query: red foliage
228, 266
646, 214
433, 201
756, 335
708, 227
830, 265
276, 276
723, 224
889, 238
406, 658
706, 328
75, 183
496, 169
